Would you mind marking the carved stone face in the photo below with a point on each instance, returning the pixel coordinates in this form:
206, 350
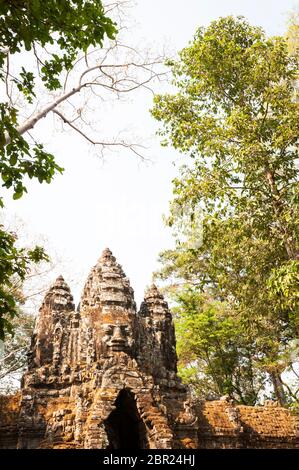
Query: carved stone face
115, 337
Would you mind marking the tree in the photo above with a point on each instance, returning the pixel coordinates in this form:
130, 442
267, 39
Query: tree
292, 34
14, 263
215, 356
13, 357
71, 51
236, 115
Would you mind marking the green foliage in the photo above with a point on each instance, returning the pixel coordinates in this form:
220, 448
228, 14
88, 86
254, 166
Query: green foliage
18, 160
292, 34
64, 28
14, 262
284, 290
13, 353
235, 114
68, 26
26, 85
215, 354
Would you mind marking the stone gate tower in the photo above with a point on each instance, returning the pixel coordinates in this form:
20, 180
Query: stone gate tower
104, 375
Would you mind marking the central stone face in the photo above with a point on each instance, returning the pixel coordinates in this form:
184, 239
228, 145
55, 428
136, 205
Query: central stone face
103, 371
108, 307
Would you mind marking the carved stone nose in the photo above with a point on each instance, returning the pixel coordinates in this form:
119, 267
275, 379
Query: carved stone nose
118, 342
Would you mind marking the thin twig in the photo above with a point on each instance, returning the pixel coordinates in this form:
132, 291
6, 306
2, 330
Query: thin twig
131, 147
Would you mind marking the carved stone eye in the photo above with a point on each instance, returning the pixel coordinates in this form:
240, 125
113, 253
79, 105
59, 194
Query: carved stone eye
108, 329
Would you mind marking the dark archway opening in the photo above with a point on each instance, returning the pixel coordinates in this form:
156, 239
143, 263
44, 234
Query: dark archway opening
124, 427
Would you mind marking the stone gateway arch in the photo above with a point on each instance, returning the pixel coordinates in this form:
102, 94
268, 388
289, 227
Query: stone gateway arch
104, 376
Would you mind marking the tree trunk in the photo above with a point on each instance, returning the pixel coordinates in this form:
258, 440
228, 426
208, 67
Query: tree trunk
278, 388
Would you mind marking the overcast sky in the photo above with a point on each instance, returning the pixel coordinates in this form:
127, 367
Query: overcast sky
118, 202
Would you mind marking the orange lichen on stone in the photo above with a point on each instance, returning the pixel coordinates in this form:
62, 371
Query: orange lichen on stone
223, 424
9, 409
214, 417
188, 443
268, 421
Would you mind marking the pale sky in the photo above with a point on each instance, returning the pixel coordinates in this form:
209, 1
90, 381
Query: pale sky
119, 202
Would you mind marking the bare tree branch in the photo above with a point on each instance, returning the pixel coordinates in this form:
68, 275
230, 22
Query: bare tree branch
117, 78
132, 147
30, 123
107, 73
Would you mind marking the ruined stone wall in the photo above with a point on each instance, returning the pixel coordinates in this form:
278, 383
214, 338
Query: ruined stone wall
222, 424
219, 424
105, 376
9, 412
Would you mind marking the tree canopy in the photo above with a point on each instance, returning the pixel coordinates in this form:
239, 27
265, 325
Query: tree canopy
216, 356
235, 116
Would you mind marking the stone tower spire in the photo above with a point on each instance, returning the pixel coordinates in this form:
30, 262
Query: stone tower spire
53, 320
159, 336
107, 285
108, 309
